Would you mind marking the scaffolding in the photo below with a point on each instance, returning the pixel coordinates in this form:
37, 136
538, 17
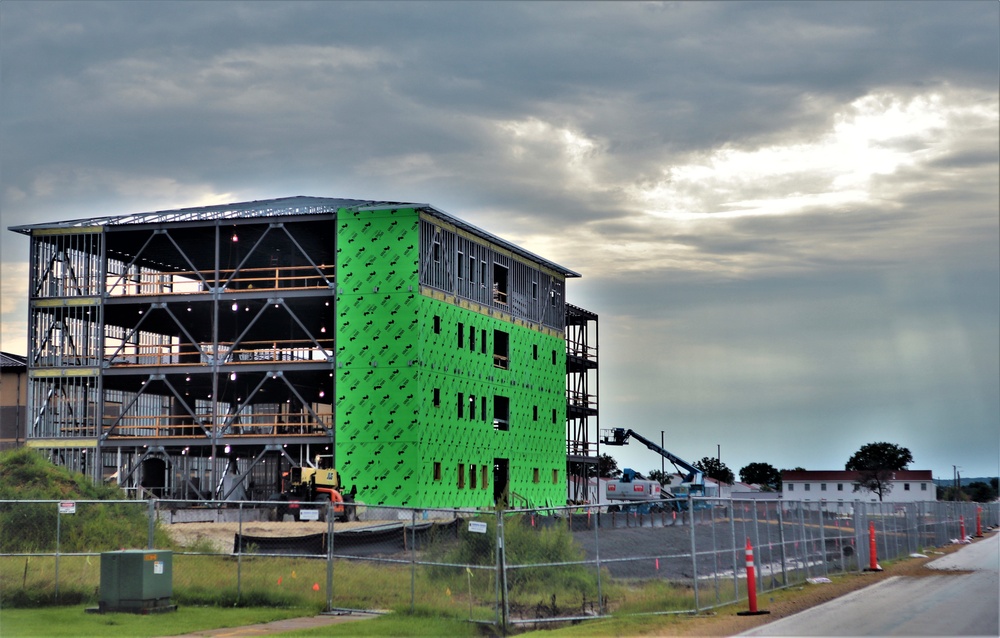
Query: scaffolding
582, 379
168, 349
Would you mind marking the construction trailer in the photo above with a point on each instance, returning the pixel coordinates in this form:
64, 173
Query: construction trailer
202, 353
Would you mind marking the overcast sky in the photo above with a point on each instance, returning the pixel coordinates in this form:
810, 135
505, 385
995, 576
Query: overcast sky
785, 214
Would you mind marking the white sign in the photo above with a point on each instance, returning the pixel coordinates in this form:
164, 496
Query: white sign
67, 507
478, 527
308, 515
158, 567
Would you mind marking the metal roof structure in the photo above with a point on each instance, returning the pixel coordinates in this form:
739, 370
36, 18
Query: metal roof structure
285, 206
8, 360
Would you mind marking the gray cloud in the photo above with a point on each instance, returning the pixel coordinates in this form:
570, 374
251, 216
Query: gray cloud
572, 128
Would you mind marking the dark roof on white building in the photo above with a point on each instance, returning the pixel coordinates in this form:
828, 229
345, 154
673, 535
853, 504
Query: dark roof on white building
849, 475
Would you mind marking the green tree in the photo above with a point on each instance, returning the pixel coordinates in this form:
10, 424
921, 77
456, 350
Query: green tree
980, 492
658, 475
714, 468
607, 467
763, 474
875, 464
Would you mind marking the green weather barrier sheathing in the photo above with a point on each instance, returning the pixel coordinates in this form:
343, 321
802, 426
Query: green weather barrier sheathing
392, 363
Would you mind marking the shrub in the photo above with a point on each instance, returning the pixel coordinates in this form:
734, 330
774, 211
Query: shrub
550, 546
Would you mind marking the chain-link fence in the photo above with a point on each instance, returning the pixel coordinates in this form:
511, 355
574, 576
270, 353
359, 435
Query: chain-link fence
511, 567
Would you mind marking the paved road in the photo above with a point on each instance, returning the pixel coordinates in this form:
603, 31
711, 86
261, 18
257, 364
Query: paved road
964, 600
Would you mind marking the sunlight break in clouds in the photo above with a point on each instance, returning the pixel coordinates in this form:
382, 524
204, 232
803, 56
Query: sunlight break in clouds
875, 135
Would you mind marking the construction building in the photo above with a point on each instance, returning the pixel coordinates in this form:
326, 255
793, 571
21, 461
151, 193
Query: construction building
202, 352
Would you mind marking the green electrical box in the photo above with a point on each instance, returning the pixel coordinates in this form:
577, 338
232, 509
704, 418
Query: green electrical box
137, 581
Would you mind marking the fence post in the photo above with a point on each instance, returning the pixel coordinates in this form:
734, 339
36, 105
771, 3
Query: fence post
858, 542
822, 537
330, 530
502, 565
413, 565
58, 541
781, 543
597, 558
804, 545
694, 557
152, 520
732, 536
979, 522
239, 556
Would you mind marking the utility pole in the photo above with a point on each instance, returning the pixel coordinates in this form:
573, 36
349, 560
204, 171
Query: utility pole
662, 466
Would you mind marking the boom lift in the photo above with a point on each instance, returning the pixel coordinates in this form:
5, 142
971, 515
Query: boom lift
317, 484
693, 481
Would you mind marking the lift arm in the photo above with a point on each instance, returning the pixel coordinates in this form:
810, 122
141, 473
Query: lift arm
620, 436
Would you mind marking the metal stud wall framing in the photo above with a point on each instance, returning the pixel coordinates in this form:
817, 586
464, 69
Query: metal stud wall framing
471, 268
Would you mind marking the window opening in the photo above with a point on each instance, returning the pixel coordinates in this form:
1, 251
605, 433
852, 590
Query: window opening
483, 477
437, 325
437, 250
472, 407
501, 412
461, 264
501, 349
461, 404
472, 477
437, 397
555, 477
437, 470
535, 413
534, 475
482, 342
472, 338
534, 351
483, 410
553, 415
461, 335
461, 476
500, 283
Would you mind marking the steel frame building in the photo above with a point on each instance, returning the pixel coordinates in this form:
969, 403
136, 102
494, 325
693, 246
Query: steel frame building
200, 353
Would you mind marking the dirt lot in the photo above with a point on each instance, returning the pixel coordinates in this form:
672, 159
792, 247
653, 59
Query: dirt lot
221, 535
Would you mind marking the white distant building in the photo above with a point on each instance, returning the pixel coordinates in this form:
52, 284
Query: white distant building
907, 486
